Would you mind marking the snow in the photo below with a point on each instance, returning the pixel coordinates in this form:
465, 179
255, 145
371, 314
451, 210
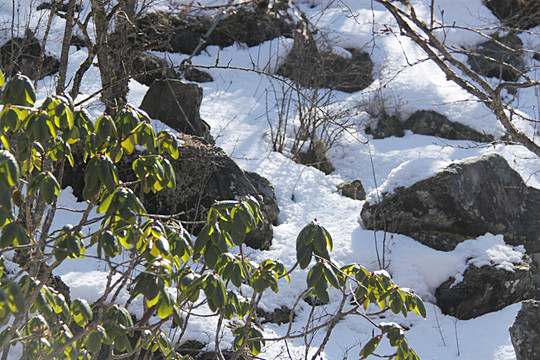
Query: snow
235, 105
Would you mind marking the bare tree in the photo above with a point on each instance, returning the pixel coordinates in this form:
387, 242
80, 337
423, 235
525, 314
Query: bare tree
113, 50
444, 56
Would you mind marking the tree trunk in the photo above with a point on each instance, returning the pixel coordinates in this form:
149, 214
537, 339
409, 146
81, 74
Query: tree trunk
60, 87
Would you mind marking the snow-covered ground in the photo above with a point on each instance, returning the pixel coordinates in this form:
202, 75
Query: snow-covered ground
235, 105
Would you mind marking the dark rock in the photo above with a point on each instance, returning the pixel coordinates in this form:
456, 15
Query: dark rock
520, 14
266, 190
279, 316
487, 289
507, 63
352, 189
387, 125
316, 156
197, 75
195, 348
536, 56
426, 122
463, 201
147, 68
191, 348
58, 5
177, 104
251, 27
24, 55
77, 41
205, 174
311, 68
525, 331
313, 300
179, 33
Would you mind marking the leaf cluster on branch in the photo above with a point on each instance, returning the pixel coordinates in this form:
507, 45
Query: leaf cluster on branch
162, 265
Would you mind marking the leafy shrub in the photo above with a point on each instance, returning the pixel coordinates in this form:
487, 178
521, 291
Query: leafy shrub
172, 274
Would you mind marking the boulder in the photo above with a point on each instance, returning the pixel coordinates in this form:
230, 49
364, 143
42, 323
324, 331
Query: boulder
525, 331
387, 126
428, 122
250, 25
522, 14
177, 104
147, 67
315, 156
501, 58
196, 75
281, 315
486, 289
205, 174
463, 201
267, 191
425, 122
311, 68
24, 55
352, 189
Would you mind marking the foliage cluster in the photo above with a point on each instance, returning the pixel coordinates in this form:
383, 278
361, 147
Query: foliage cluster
148, 256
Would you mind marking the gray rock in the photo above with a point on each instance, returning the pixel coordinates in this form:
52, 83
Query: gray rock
23, 54
309, 67
267, 192
352, 189
205, 174
487, 289
387, 126
281, 315
427, 122
147, 68
463, 201
197, 75
510, 53
177, 104
250, 25
315, 156
522, 14
525, 331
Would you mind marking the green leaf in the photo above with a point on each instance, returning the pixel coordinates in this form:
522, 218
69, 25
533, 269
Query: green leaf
109, 243
81, 312
106, 172
330, 275
315, 275
201, 242
50, 188
420, 307
10, 118
9, 234
370, 347
165, 307
9, 169
303, 254
15, 297
321, 290
19, 91
167, 141
93, 342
